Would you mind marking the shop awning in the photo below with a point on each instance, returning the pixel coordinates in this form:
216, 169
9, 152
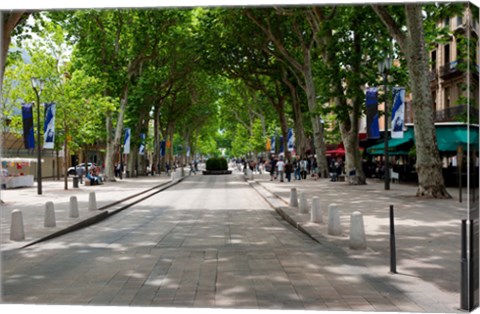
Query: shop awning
449, 137
394, 145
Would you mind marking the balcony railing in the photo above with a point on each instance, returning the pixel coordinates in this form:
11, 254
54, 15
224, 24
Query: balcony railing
457, 114
449, 69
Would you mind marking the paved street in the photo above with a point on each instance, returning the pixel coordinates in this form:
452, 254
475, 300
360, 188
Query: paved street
213, 241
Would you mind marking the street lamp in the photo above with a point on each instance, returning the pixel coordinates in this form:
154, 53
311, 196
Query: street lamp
37, 85
383, 68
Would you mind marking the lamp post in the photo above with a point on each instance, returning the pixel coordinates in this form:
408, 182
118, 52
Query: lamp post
383, 68
37, 85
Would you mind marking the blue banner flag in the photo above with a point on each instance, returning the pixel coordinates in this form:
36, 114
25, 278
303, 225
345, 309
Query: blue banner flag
272, 144
126, 142
162, 148
141, 149
373, 129
28, 134
398, 112
291, 140
49, 126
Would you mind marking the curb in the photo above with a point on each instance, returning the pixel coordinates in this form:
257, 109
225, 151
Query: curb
106, 214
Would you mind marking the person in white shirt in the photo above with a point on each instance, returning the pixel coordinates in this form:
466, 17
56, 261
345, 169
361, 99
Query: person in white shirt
280, 168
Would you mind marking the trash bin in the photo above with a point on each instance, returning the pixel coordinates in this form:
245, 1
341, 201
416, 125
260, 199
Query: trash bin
127, 173
75, 182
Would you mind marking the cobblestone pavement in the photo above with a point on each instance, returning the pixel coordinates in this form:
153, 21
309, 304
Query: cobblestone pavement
214, 242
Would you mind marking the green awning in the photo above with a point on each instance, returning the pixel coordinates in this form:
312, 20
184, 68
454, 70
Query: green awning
393, 145
449, 137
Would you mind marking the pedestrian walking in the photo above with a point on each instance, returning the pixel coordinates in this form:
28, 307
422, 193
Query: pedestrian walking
273, 168
296, 169
303, 168
120, 170
288, 170
315, 168
192, 169
80, 173
280, 168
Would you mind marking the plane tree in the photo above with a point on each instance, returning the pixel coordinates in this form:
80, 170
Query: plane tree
407, 28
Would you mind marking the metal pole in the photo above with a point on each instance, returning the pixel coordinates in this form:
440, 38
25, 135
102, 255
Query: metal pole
393, 254
39, 151
385, 135
471, 271
464, 304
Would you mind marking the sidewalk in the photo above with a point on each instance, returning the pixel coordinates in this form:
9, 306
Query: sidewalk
427, 230
32, 205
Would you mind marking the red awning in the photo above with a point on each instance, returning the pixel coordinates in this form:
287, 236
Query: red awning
339, 151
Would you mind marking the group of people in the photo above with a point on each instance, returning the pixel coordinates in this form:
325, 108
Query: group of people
301, 168
93, 175
285, 168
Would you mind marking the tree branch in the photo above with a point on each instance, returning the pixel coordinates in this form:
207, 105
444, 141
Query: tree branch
392, 27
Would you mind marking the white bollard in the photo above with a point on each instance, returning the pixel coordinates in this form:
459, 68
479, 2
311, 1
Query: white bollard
16, 226
92, 201
73, 207
334, 225
303, 204
316, 215
293, 197
49, 221
357, 232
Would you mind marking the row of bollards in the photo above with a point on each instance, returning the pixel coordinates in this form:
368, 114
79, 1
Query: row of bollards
357, 230
17, 232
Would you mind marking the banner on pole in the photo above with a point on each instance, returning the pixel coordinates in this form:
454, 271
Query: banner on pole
28, 134
291, 140
163, 144
267, 145
373, 129
272, 144
126, 142
281, 144
49, 126
141, 149
398, 112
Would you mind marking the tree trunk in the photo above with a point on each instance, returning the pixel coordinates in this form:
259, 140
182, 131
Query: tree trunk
349, 127
156, 136
429, 166
8, 22
110, 153
412, 43
300, 139
320, 148
113, 146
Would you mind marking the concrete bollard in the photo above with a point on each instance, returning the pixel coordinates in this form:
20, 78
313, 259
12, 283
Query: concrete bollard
92, 201
16, 226
49, 221
357, 232
73, 207
316, 215
293, 197
303, 205
334, 225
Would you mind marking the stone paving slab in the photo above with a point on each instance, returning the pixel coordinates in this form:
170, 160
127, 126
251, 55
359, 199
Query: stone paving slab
427, 231
33, 205
248, 276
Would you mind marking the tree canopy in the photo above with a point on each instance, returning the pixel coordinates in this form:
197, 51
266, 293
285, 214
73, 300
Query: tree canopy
197, 80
